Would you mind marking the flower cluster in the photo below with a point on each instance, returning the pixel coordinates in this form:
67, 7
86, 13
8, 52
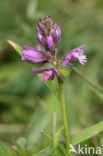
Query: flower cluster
49, 35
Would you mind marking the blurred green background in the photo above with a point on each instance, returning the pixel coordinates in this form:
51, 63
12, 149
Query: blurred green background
26, 104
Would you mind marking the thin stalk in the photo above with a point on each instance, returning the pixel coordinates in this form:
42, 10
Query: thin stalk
54, 125
64, 116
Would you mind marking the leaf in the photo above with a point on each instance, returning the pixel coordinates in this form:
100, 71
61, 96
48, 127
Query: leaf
44, 152
50, 140
94, 87
16, 47
56, 140
21, 146
64, 71
51, 85
6, 150
21, 142
39, 122
87, 133
22, 152
47, 137
57, 137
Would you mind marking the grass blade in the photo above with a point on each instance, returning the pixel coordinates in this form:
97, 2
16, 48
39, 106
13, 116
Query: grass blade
87, 133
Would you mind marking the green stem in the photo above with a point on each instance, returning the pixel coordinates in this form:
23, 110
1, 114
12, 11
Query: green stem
63, 109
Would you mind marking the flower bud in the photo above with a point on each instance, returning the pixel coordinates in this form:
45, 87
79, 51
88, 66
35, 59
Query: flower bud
58, 34
49, 33
49, 41
40, 38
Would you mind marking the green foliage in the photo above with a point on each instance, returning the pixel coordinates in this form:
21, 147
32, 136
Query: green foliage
51, 85
23, 97
34, 130
45, 152
57, 138
21, 142
93, 86
16, 47
64, 71
6, 150
87, 133
32, 11
55, 141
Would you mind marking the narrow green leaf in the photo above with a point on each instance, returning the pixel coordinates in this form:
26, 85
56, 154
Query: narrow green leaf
22, 151
6, 150
94, 87
16, 47
87, 133
50, 140
57, 137
47, 137
35, 128
21, 146
56, 140
44, 152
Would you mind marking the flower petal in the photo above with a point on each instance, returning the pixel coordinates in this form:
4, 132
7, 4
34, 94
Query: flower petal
49, 41
64, 63
32, 55
38, 71
40, 38
58, 73
48, 75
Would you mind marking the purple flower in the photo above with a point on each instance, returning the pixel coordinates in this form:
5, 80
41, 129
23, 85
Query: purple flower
49, 33
36, 55
49, 75
77, 53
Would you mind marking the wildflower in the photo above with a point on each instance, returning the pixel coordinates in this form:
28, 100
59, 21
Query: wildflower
49, 35
49, 75
77, 53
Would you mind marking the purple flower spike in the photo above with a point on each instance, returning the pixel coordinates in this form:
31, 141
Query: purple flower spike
34, 54
75, 54
50, 42
49, 34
